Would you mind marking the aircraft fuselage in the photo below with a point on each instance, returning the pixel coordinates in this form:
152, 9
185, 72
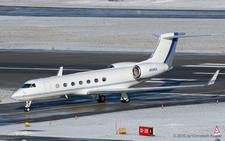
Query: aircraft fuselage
81, 83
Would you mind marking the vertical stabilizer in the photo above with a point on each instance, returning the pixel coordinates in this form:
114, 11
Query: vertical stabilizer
164, 52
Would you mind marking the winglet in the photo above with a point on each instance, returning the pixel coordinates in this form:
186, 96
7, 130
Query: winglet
60, 72
213, 79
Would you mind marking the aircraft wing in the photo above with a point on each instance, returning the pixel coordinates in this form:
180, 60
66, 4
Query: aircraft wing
143, 89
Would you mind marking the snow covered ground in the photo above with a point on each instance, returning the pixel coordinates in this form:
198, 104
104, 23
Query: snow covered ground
108, 34
5, 95
189, 122
148, 4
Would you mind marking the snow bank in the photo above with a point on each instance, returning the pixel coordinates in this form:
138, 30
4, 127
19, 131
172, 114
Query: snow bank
147, 4
5, 96
108, 34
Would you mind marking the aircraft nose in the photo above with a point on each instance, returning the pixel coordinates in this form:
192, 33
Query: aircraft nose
13, 96
16, 95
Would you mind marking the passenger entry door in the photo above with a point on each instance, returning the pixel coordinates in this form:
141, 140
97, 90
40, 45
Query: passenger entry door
47, 86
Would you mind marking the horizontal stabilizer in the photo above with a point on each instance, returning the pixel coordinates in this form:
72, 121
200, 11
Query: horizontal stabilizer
180, 35
184, 36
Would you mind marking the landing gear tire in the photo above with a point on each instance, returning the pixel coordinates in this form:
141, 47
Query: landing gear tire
27, 106
101, 98
26, 109
123, 100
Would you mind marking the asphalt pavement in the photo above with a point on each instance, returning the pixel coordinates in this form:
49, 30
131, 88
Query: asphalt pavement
109, 12
20, 66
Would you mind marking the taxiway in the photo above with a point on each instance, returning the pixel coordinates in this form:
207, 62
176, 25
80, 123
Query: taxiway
18, 66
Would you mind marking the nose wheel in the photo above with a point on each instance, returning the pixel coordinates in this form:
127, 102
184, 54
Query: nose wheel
27, 106
26, 109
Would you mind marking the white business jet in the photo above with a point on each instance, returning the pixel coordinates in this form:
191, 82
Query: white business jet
117, 78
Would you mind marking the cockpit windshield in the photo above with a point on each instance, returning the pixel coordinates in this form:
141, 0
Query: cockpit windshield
28, 85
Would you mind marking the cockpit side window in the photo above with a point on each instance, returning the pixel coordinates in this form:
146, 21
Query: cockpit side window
33, 85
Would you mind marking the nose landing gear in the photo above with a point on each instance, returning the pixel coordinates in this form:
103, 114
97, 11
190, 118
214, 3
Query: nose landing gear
27, 106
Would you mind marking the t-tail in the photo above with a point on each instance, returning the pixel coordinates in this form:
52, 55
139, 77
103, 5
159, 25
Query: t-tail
165, 50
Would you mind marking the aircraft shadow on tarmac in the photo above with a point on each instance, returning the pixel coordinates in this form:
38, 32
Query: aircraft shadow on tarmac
61, 108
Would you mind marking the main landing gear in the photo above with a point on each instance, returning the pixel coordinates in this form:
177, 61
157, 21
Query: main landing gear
101, 98
124, 98
27, 106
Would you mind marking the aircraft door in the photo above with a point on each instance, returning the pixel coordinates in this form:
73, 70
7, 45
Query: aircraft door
47, 86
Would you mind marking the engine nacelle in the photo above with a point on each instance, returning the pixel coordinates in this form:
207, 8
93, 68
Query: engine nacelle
147, 70
121, 64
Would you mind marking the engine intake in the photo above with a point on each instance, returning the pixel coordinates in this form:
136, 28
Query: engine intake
147, 70
136, 71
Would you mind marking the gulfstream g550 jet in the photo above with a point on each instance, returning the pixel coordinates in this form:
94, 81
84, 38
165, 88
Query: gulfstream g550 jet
117, 78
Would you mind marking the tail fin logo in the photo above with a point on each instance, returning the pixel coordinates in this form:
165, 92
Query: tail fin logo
173, 45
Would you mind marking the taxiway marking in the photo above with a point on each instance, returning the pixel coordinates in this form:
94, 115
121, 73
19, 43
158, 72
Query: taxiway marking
213, 92
207, 65
46, 69
57, 108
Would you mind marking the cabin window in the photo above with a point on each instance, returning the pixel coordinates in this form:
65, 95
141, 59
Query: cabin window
103, 79
72, 83
88, 81
65, 84
57, 85
96, 80
80, 82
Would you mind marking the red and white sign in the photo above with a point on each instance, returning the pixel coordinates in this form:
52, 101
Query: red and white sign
217, 131
148, 131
